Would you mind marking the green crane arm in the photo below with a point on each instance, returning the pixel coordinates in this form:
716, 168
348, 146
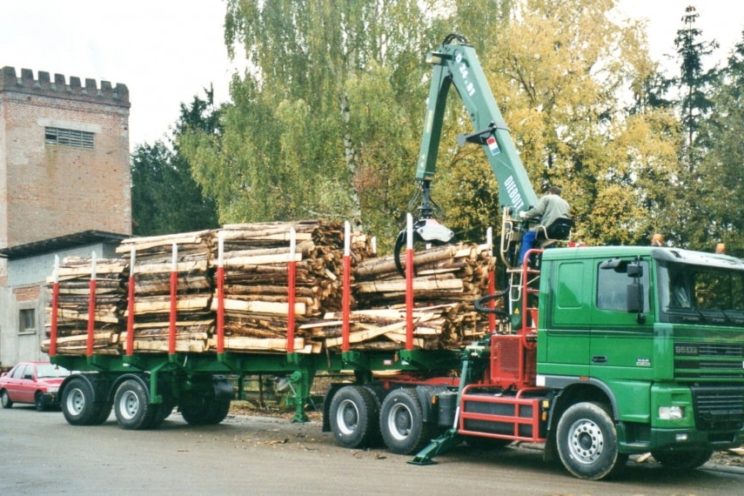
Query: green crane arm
457, 64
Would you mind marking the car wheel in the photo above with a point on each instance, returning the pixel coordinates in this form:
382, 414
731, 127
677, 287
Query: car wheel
587, 441
40, 402
131, 406
77, 402
402, 422
354, 417
682, 460
5, 399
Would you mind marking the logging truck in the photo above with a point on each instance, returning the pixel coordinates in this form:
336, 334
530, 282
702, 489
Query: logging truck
596, 352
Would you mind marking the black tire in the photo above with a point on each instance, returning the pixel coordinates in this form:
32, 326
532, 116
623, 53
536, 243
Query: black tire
402, 422
40, 402
5, 399
354, 417
164, 409
587, 441
682, 460
132, 407
77, 403
204, 411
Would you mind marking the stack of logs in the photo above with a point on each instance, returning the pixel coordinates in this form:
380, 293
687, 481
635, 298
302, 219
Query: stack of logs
447, 280
72, 318
256, 258
153, 267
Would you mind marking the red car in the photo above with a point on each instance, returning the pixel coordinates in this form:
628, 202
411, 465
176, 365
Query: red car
32, 382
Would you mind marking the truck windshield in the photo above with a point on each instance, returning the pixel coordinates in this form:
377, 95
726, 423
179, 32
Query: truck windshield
691, 293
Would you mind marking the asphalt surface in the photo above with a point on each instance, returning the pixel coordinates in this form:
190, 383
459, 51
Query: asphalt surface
43, 455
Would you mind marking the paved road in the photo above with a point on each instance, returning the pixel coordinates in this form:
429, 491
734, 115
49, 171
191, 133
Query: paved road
43, 455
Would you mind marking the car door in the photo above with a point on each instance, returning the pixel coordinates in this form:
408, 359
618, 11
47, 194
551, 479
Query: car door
27, 385
14, 381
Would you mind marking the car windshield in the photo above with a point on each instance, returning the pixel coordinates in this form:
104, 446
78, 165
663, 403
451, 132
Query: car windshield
49, 370
691, 293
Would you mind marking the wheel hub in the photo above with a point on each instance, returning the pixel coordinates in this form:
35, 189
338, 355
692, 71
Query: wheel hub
586, 441
129, 405
400, 421
347, 417
75, 401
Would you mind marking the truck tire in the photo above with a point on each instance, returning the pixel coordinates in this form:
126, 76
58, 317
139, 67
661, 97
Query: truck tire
354, 417
587, 441
103, 410
77, 403
164, 409
682, 460
131, 406
5, 399
402, 422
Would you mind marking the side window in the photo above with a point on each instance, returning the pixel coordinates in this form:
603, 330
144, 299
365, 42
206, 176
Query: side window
612, 286
18, 371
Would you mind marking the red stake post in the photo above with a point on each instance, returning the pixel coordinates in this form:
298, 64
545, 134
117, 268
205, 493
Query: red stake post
221, 292
291, 290
91, 307
173, 302
130, 303
409, 282
55, 309
346, 290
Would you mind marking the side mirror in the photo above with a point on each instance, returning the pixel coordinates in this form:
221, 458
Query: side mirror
634, 294
635, 270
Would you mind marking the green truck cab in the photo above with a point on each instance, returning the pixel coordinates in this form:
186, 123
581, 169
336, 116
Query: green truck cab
670, 367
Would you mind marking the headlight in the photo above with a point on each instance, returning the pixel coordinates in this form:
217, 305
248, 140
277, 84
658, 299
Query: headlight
671, 412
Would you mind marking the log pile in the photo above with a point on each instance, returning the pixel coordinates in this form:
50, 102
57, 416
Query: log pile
447, 281
153, 266
74, 276
256, 260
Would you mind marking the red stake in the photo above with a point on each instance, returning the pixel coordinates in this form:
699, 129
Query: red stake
173, 302
91, 307
221, 293
409, 282
55, 310
130, 304
291, 291
346, 290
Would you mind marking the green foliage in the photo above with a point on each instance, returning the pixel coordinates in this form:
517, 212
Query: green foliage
165, 197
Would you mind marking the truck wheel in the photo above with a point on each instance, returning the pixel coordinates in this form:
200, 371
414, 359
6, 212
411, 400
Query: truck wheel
587, 441
682, 460
402, 422
131, 405
77, 403
5, 399
354, 417
40, 402
164, 409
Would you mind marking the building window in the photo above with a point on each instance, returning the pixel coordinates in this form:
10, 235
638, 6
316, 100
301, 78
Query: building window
69, 137
27, 321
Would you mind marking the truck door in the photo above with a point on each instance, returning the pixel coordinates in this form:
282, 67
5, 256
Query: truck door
564, 344
622, 341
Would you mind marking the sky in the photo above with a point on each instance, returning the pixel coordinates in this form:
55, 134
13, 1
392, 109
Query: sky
167, 51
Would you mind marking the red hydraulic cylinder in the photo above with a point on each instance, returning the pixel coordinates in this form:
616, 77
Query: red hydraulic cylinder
291, 290
130, 304
409, 282
55, 309
491, 283
91, 307
173, 302
221, 293
346, 290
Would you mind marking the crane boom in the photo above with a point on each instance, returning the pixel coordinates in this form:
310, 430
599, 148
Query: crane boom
456, 64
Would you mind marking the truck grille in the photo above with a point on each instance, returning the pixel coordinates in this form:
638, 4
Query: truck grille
718, 408
700, 362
